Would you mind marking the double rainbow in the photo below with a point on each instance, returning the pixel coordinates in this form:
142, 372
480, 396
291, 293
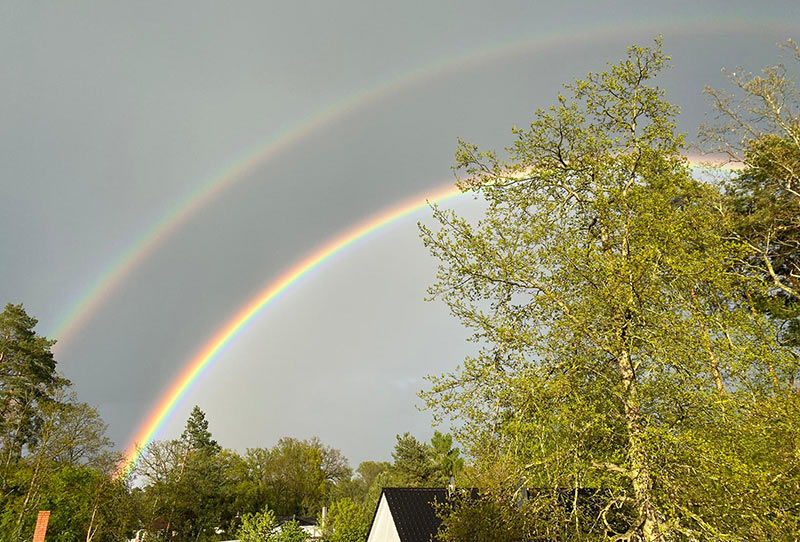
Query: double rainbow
79, 314
146, 244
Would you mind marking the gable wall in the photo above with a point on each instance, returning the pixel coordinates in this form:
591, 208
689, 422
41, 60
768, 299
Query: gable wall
383, 528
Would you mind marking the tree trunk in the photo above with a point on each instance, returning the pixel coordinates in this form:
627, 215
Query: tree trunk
92, 529
642, 479
29, 496
180, 479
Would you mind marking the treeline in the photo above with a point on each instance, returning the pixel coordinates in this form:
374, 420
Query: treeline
56, 456
199, 491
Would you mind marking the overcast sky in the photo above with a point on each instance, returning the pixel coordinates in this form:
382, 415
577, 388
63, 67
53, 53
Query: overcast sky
113, 113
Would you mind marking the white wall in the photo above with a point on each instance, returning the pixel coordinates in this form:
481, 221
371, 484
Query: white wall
383, 528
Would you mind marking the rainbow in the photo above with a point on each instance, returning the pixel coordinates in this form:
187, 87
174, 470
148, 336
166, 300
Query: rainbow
249, 161
203, 358
228, 332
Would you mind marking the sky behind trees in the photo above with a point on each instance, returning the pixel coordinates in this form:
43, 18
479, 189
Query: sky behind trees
115, 114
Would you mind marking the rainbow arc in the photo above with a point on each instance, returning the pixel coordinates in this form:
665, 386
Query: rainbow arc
228, 332
204, 357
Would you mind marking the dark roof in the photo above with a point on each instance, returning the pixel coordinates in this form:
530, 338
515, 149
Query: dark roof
413, 511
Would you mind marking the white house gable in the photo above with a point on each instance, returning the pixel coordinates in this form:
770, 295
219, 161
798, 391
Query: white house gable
383, 528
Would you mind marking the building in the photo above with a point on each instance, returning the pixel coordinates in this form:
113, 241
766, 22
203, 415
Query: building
407, 514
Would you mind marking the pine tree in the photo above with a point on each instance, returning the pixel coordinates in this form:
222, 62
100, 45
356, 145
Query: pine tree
196, 434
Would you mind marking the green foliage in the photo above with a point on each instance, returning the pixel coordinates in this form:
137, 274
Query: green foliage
289, 476
549, 515
198, 491
368, 471
413, 465
196, 434
263, 527
290, 531
761, 129
28, 380
348, 521
257, 527
186, 483
616, 351
446, 458
479, 520
53, 450
417, 464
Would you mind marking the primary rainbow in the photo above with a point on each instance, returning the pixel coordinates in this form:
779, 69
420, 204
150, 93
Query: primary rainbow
262, 300
203, 358
256, 156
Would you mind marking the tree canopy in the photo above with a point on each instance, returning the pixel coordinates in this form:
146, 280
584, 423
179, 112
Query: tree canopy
617, 353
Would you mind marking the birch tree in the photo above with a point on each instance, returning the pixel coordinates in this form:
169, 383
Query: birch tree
614, 352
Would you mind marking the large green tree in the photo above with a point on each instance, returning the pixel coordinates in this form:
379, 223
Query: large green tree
289, 477
616, 353
758, 126
186, 481
28, 379
54, 453
70, 437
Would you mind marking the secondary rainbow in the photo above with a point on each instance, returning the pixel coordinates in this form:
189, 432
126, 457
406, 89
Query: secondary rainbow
262, 300
257, 155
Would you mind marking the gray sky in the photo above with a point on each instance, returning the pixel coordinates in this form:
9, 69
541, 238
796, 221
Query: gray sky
114, 113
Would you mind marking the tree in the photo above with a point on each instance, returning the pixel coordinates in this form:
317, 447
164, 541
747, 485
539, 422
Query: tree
257, 527
186, 481
196, 434
446, 458
760, 128
54, 452
263, 527
369, 471
413, 465
289, 477
614, 350
348, 521
28, 379
69, 471
335, 466
289, 531
71, 435
295, 477
87, 505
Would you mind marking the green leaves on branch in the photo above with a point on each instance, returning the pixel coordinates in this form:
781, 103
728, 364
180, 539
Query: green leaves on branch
617, 347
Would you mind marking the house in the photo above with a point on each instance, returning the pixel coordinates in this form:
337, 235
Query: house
407, 514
